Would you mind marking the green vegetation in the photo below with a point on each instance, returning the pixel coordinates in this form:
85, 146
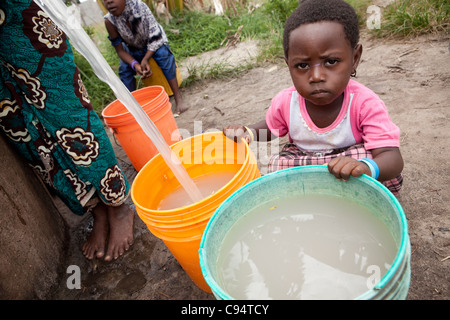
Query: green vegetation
192, 32
360, 7
415, 17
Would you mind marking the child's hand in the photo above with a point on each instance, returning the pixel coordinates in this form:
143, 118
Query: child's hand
141, 71
138, 68
146, 71
236, 132
344, 167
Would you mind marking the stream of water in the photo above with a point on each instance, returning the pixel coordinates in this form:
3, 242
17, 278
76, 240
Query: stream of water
67, 21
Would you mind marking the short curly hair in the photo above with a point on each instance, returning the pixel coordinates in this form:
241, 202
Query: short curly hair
310, 11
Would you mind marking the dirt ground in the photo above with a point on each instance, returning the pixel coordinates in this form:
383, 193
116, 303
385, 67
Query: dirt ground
411, 76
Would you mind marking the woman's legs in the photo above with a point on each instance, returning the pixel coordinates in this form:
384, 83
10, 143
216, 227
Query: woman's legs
112, 233
95, 245
49, 119
121, 222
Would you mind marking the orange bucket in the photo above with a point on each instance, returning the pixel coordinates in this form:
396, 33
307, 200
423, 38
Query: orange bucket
181, 228
134, 141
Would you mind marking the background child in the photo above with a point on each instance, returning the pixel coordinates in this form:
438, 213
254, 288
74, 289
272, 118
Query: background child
329, 117
137, 37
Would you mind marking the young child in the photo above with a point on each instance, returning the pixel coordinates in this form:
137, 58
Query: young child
330, 119
137, 37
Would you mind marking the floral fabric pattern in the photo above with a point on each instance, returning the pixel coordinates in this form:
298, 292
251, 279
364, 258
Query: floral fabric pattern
46, 113
32, 90
11, 121
80, 145
80, 91
113, 184
43, 33
79, 186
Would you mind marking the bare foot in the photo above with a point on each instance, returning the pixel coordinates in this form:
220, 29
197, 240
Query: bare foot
96, 243
121, 222
181, 107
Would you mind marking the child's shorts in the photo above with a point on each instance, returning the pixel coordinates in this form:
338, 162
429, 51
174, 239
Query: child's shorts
292, 156
166, 61
164, 58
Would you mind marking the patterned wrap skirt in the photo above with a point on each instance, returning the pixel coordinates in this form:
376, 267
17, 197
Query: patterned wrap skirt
46, 114
292, 156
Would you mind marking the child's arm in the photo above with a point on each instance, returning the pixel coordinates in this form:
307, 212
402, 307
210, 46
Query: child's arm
123, 55
260, 132
388, 160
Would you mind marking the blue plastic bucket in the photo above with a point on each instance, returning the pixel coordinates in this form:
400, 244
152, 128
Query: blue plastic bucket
313, 180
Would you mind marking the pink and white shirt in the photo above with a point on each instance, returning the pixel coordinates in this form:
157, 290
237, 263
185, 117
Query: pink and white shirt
363, 119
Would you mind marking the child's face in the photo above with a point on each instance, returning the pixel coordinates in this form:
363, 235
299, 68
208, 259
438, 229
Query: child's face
321, 60
115, 7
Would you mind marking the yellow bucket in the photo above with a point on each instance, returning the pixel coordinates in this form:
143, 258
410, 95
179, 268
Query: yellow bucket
182, 228
158, 79
175, 4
